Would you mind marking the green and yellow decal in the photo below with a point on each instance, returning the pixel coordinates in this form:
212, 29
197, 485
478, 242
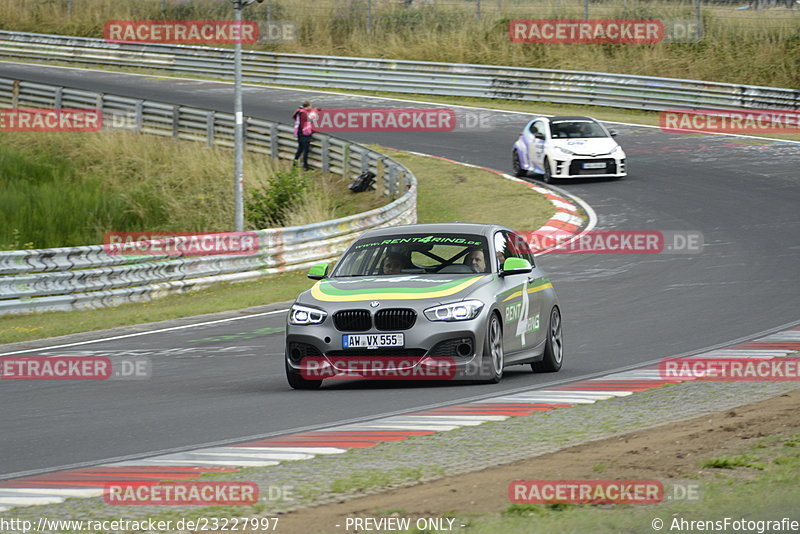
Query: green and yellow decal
520, 312
326, 292
539, 285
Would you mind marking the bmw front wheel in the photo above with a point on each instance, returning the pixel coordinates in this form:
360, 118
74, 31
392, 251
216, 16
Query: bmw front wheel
298, 382
493, 355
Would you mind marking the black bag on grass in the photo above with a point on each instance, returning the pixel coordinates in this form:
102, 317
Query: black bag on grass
362, 182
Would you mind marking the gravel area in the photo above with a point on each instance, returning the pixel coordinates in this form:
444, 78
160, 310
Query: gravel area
358, 472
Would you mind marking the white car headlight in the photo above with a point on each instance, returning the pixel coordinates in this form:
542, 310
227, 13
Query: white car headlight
616, 149
565, 151
300, 315
456, 311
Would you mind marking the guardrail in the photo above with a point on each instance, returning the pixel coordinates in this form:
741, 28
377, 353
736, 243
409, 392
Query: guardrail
514, 83
87, 276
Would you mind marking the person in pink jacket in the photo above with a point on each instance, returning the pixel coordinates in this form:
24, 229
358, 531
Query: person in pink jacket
304, 118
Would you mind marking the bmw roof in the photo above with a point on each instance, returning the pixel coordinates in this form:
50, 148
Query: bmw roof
426, 228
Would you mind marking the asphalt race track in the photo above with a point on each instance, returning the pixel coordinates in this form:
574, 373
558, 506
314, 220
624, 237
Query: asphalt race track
225, 381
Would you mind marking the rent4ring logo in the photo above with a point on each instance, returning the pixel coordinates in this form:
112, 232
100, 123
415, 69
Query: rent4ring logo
181, 31
50, 120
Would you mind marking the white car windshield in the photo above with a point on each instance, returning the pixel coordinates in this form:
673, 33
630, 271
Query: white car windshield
576, 129
409, 254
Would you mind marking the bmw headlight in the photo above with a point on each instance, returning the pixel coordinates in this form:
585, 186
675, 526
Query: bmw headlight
300, 315
616, 150
456, 311
565, 151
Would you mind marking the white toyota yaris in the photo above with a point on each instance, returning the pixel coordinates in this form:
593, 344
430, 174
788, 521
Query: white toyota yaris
567, 147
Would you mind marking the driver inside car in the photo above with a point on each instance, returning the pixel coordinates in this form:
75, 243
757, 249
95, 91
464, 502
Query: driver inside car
476, 260
393, 263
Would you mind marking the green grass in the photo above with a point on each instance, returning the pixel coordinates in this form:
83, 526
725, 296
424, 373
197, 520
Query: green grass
371, 479
772, 493
732, 462
532, 510
458, 193
466, 203
70, 189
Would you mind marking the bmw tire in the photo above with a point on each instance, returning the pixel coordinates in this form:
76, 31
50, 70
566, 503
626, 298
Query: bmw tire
554, 346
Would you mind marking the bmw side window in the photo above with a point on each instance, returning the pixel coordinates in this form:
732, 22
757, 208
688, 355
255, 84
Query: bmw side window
521, 248
513, 246
501, 248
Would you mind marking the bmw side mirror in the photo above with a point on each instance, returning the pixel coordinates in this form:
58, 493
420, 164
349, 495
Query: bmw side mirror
612, 133
319, 271
515, 266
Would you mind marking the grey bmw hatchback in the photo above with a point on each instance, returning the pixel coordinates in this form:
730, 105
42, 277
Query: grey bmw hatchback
444, 301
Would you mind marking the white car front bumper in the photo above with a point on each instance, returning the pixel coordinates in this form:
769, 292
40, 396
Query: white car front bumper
579, 166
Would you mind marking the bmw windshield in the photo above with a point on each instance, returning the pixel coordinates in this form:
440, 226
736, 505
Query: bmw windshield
392, 255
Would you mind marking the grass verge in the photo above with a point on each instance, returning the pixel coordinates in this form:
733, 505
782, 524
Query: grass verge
127, 182
221, 297
467, 189
765, 491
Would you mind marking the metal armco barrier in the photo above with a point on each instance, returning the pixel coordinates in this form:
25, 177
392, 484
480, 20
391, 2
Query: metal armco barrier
513, 83
88, 277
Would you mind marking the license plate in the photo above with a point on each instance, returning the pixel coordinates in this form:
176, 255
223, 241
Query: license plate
595, 165
371, 341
